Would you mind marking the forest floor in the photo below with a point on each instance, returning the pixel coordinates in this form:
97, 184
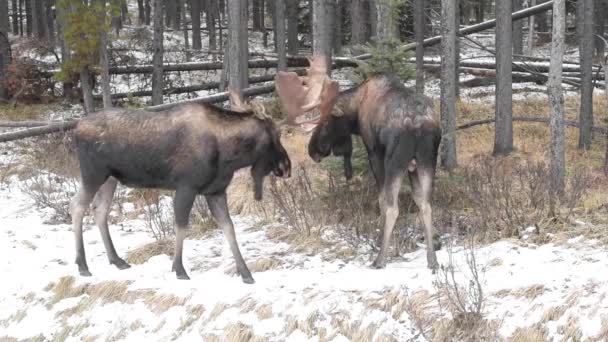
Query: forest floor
539, 286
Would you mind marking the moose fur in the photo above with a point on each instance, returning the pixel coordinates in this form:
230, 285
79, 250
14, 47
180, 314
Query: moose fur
192, 149
398, 128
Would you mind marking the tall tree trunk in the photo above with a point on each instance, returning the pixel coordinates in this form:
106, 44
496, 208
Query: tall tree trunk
50, 22
157, 73
258, 15
87, 90
34, 17
358, 20
124, 12
104, 62
585, 18
337, 30
503, 137
171, 12
272, 11
542, 19
371, 18
556, 99
448, 80
457, 48
41, 21
148, 12
15, 5
292, 27
480, 11
68, 87
21, 17
195, 16
385, 23
182, 5
4, 48
141, 12
211, 16
531, 30
29, 23
321, 26
518, 30
419, 34
601, 9
279, 13
238, 47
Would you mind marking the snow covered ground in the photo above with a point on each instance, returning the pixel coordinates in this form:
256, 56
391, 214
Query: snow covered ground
557, 289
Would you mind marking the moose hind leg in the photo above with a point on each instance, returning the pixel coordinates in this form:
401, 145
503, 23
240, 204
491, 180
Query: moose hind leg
422, 187
219, 209
182, 204
101, 205
78, 206
390, 211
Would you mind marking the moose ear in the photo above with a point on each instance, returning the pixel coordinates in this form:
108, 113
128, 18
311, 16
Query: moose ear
291, 93
237, 103
329, 95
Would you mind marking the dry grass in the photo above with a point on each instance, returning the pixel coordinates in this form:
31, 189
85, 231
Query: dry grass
308, 325
193, 314
22, 112
554, 313
136, 325
466, 330
218, 309
16, 317
529, 292
571, 330
534, 333
238, 332
143, 253
603, 334
264, 311
258, 266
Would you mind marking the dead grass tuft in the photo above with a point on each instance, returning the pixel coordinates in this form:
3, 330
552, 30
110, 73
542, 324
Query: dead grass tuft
143, 253
16, 317
257, 266
159, 303
603, 334
554, 313
193, 314
529, 292
218, 309
571, 330
247, 304
136, 325
238, 332
534, 333
264, 311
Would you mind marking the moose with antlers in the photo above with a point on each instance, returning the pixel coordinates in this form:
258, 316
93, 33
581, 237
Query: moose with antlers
399, 130
192, 149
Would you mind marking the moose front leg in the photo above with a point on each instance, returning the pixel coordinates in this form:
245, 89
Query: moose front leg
219, 209
182, 204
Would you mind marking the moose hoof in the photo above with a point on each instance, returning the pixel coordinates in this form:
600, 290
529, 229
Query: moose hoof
120, 264
248, 280
85, 273
182, 276
378, 265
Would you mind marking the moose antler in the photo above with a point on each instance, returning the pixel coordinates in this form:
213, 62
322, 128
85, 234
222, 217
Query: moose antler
300, 95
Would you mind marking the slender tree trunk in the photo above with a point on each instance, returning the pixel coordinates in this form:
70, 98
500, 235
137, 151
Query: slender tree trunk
104, 63
29, 23
419, 34
35, 21
4, 48
124, 12
606, 93
211, 15
157, 73
518, 30
585, 17
358, 20
321, 26
337, 30
237, 45
556, 99
531, 30
195, 16
148, 12
87, 90
542, 19
50, 23
141, 12
171, 12
370, 9
272, 11
457, 48
258, 15
68, 87
448, 80
503, 138
41, 18
601, 10
279, 13
15, 5
385, 24
21, 16
292, 27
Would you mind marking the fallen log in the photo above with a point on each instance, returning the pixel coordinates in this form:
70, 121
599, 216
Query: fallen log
193, 88
600, 130
31, 132
21, 124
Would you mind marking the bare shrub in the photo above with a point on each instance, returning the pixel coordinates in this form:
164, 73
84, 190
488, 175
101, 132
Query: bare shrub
509, 194
50, 176
464, 299
158, 213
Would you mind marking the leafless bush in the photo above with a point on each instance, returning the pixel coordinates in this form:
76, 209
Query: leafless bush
464, 299
297, 202
50, 176
158, 213
508, 194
